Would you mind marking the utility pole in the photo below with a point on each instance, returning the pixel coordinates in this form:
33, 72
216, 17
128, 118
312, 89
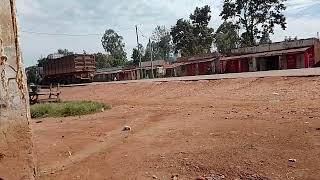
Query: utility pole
151, 57
141, 72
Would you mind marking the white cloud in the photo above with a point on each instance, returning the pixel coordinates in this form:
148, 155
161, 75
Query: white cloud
295, 6
302, 27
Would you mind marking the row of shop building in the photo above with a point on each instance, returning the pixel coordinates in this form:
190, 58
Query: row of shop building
295, 54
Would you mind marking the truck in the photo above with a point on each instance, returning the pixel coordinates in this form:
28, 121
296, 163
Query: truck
70, 69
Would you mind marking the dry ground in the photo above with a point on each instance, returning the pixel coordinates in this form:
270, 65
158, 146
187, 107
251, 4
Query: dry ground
239, 128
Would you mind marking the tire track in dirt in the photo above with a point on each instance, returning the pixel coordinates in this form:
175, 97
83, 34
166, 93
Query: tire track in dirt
113, 138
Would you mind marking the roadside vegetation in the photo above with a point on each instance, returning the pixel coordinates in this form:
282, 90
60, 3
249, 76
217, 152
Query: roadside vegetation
65, 109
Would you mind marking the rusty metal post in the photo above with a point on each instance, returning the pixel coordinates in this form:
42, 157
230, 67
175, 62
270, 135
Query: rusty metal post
16, 152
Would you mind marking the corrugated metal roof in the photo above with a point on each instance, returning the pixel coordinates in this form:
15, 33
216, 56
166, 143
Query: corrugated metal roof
276, 46
188, 62
265, 54
155, 63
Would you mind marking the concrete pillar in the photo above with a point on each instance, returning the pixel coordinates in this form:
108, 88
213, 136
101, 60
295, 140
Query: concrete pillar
280, 62
16, 155
217, 64
253, 65
197, 69
213, 68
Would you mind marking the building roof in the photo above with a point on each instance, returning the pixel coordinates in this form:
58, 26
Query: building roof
189, 62
155, 63
109, 69
277, 46
197, 57
266, 54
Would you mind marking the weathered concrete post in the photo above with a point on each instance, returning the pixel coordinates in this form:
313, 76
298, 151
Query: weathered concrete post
16, 161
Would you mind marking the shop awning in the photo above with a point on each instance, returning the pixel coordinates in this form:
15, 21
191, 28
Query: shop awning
267, 54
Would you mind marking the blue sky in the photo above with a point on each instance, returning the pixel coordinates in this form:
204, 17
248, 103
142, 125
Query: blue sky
95, 16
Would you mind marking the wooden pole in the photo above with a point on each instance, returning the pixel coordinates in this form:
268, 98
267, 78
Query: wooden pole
138, 46
151, 58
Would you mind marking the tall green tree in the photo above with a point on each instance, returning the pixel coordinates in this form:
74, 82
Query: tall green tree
103, 60
42, 61
195, 37
31, 73
162, 43
226, 38
114, 45
204, 35
183, 37
135, 56
156, 55
255, 17
265, 38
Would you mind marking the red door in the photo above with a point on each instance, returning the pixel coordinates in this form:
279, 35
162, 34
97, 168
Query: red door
191, 69
291, 62
205, 68
244, 65
309, 59
232, 66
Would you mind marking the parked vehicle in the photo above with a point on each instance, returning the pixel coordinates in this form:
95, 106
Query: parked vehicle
71, 69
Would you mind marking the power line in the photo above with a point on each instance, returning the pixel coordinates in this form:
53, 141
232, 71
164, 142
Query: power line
146, 36
143, 34
141, 72
60, 34
69, 34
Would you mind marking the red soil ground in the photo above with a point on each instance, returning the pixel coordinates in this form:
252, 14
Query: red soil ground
239, 128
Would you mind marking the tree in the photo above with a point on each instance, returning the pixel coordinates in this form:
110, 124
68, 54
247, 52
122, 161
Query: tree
161, 45
204, 35
182, 37
31, 73
103, 61
226, 38
135, 56
255, 16
195, 37
112, 44
155, 52
265, 38
64, 52
42, 61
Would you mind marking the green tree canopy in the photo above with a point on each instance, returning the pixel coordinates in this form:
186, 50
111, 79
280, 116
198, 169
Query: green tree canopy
135, 57
155, 52
42, 61
103, 61
113, 44
226, 38
161, 43
183, 37
204, 35
265, 38
255, 17
31, 73
65, 52
195, 37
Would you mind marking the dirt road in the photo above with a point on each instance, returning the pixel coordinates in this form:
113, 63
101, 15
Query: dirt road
237, 129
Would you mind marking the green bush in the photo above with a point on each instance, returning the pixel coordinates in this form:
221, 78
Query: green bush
64, 109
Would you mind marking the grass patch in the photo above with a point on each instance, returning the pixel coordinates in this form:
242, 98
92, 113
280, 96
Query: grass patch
65, 109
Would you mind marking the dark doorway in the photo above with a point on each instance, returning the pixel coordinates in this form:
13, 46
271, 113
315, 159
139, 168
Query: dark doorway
272, 63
